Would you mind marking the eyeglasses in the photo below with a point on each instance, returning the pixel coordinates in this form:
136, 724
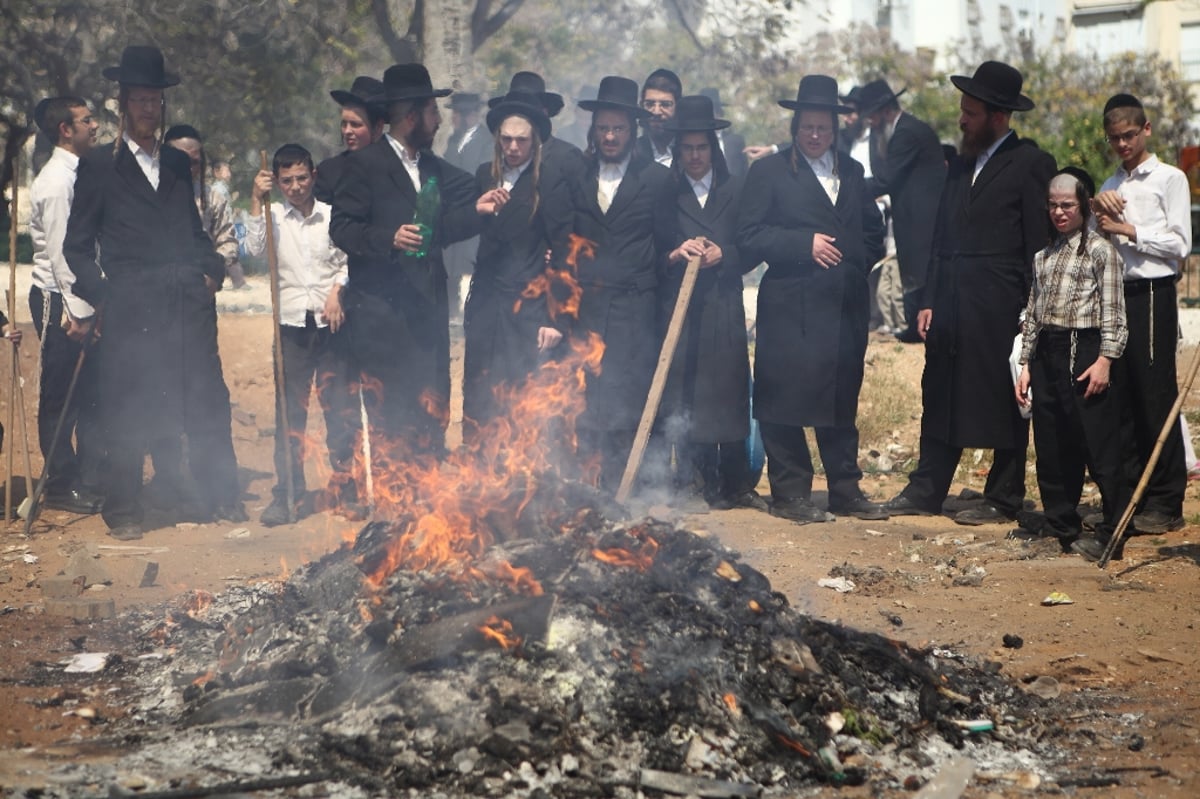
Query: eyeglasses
1065, 207
814, 130
616, 130
665, 105
1124, 138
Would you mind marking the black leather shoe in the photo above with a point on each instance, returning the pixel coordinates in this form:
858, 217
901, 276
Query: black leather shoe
859, 507
909, 336
276, 514
1092, 549
234, 512
800, 511
73, 501
126, 532
984, 514
745, 499
901, 505
1155, 522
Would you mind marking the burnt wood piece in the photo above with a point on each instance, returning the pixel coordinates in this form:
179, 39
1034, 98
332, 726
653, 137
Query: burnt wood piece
433, 643
235, 787
688, 785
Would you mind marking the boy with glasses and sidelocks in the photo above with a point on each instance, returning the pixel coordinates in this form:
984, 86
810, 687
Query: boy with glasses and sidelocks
1144, 209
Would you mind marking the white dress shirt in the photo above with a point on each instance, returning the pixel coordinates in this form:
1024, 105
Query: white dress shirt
510, 176
610, 178
51, 195
702, 187
661, 156
411, 165
149, 162
309, 263
982, 159
470, 134
1158, 205
822, 167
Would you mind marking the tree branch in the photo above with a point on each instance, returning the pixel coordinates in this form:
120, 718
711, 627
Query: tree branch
484, 26
405, 48
681, 14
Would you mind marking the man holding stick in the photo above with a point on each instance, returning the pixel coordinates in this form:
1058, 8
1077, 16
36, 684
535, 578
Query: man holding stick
72, 473
154, 284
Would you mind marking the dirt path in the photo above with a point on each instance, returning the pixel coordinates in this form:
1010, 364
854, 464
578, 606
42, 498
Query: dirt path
1122, 653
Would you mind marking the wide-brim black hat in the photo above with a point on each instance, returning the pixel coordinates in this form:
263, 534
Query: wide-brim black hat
694, 114
532, 83
403, 82
364, 91
617, 94
713, 94
875, 95
142, 65
995, 83
520, 104
818, 92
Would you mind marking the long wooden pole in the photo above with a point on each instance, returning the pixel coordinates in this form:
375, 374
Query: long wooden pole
659, 383
1172, 419
281, 414
27, 503
12, 313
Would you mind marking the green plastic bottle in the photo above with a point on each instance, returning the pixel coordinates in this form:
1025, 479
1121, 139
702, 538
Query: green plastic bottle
424, 216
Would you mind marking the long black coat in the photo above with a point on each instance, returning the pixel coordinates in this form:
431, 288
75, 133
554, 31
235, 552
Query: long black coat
912, 173
709, 381
159, 343
985, 240
329, 172
396, 309
501, 343
619, 300
732, 145
812, 322
459, 258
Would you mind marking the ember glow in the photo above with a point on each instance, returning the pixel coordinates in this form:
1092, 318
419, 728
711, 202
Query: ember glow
500, 631
447, 512
641, 558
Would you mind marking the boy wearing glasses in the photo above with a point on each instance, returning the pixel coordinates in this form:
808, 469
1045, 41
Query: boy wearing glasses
1144, 209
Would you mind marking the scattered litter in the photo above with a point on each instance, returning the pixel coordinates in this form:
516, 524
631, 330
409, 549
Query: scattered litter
1057, 598
875, 533
238, 532
1136, 743
82, 712
1045, 687
951, 781
1013, 641
839, 584
958, 539
29, 557
1150, 654
975, 725
892, 618
835, 722
87, 663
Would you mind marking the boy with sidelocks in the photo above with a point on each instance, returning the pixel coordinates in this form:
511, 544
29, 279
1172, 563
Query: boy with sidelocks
1144, 209
312, 272
1073, 332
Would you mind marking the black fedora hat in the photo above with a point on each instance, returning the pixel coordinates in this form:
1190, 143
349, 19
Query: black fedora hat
465, 101
876, 95
141, 65
364, 91
819, 92
694, 113
616, 93
532, 83
521, 104
995, 83
402, 82
714, 94
852, 97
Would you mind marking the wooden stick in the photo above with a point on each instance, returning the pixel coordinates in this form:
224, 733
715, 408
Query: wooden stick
659, 383
12, 313
1172, 419
27, 503
281, 415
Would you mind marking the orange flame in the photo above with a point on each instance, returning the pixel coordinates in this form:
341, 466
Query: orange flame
501, 632
197, 602
793, 745
641, 559
204, 679
731, 702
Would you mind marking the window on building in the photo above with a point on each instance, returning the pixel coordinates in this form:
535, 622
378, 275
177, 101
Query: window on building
1189, 52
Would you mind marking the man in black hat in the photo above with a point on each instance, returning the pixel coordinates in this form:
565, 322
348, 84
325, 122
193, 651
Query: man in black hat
361, 123
562, 155
153, 283
907, 165
396, 207
806, 211
72, 477
660, 95
991, 221
625, 204
732, 144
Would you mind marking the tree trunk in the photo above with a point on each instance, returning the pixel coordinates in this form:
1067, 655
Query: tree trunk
447, 48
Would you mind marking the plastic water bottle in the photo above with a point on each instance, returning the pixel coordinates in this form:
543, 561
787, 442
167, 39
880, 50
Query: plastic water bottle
424, 216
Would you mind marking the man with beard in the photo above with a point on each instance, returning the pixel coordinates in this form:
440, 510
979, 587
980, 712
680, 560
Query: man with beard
907, 165
154, 282
991, 222
396, 207
660, 94
625, 204
362, 123
806, 211
72, 477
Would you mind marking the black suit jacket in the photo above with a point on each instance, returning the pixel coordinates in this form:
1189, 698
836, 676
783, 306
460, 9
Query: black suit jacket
912, 173
480, 149
735, 159
329, 172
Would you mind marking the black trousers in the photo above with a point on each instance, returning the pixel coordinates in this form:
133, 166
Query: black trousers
312, 356
789, 463
930, 481
79, 463
1071, 433
723, 469
1145, 377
